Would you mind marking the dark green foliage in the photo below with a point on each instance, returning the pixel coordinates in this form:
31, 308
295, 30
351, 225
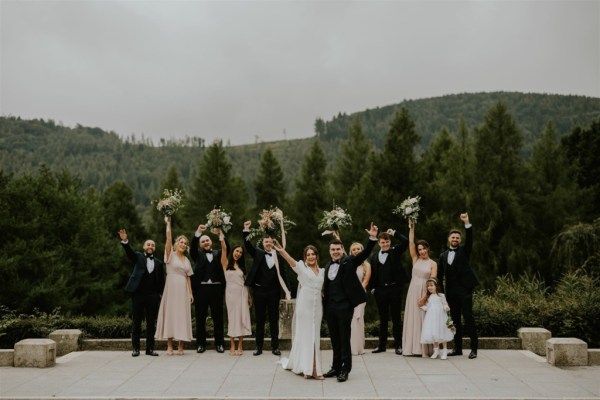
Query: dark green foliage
269, 185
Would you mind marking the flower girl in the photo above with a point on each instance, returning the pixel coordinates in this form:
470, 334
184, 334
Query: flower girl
434, 325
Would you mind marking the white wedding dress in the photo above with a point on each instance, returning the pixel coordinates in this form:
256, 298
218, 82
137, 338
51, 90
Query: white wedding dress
306, 338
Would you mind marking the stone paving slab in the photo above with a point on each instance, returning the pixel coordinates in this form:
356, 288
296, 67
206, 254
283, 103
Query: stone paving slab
495, 374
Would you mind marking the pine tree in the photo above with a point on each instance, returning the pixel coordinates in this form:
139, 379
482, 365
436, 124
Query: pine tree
179, 223
269, 185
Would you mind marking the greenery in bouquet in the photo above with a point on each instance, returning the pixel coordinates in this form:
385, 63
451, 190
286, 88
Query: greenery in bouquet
409, 208
450, 324
218, 218
270, 223
334, 220
170, 203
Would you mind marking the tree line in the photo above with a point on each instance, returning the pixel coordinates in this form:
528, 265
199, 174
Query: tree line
535, 215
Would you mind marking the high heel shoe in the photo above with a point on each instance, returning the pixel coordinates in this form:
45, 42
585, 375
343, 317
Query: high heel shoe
436, 353
169, 352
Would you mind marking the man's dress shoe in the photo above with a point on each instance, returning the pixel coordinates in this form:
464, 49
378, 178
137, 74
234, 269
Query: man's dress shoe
276, 352
455, 353
330, 374
201, 349
378, 350
258, 352
220, 348
473, 354
151, 353
399, 351
342, 377
135, 353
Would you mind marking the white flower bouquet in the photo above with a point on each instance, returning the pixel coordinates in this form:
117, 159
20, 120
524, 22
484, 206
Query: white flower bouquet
218, 218
271, 223
335, 219
170, 203
409, 208
450, 324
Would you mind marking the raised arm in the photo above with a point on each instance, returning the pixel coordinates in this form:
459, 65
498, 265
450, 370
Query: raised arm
247, 244
285, 255
169, 242
194, 243
224, 260
469, 232
411, 241
125, 243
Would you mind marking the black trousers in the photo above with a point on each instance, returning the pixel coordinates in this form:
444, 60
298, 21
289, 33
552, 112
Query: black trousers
267, 299
339, 320
144, 303
209, 296
389, 303
461, 305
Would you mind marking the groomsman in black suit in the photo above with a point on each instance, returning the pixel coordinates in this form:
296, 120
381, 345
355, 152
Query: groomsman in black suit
146, 285
266, 285
342, 292
387, 280
460, 280
208, 286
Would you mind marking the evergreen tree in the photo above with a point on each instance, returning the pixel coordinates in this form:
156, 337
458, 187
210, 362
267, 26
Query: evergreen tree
311, 197
157, 220
269, 185
119, 212
500, 197
216, 186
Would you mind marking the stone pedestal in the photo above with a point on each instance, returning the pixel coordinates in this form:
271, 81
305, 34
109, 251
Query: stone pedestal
7, 357
35, 353
286, 316
67, 340
566, 352
593, 356
534, 339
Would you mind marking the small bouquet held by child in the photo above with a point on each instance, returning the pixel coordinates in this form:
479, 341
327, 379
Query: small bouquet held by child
272, 223
170, 203
333, 220
218, 219
409, 208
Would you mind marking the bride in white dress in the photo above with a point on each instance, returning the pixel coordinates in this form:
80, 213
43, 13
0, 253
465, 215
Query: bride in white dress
305, 356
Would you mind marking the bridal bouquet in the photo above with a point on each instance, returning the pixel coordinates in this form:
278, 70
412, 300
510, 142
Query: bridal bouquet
335, 219
170, 203
218, 218
409, 208
271, 223
450, 324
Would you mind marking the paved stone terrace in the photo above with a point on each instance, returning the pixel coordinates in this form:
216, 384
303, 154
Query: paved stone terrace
498, 374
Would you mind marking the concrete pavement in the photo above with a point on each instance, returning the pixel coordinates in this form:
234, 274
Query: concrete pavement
498, 374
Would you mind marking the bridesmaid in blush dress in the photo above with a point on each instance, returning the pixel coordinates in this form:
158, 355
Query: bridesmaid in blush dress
423, 269
357, 329
175, 312
237, 298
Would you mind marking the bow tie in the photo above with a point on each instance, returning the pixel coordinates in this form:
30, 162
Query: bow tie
384, 251
150, 256
207, 251
269, 254
451, 250
334, 262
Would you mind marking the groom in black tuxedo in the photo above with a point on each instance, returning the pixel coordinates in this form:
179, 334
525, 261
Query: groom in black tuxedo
208, 286
264, 281
342, 292
460, 280
387, 280
146, 285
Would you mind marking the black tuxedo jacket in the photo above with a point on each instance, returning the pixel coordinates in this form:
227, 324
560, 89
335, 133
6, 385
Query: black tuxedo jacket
258, 256
347, 273
139, 268
201, 262
394, 261
460, 268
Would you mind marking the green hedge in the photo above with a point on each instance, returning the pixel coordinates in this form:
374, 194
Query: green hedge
572, 309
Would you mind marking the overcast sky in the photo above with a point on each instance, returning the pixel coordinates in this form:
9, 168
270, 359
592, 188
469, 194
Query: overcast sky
237, 70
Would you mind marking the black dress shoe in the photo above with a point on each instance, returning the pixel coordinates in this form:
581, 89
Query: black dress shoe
399, 351
330, 374
378, 350
201, 349
151, 353
135, 353
220, 348
342, 377
473, 354
258, 352
455, 353
276, 352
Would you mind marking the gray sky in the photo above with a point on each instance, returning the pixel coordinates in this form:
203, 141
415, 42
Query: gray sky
238, 69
